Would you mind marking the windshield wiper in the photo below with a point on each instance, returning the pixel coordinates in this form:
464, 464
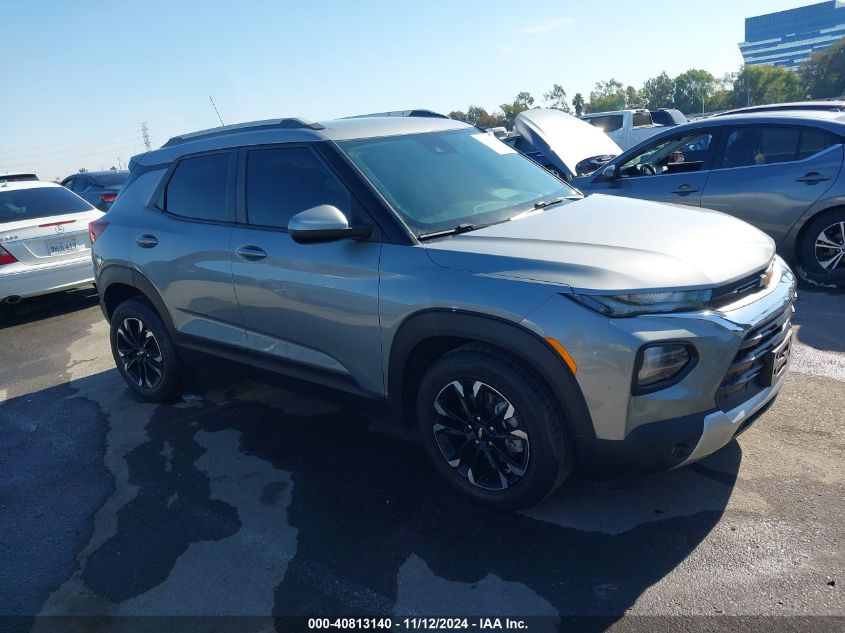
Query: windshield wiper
542, 204
461, 228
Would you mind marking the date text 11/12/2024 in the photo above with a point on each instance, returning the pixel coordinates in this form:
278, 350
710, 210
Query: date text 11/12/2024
418, 623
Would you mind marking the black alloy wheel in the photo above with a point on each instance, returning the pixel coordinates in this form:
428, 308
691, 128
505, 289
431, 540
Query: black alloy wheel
139, 353
480, 434
144, 352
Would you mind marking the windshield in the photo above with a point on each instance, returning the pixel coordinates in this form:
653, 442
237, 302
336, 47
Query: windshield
27, 204
112, 180
438, 180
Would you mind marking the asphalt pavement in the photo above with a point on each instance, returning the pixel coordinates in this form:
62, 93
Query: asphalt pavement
253, 496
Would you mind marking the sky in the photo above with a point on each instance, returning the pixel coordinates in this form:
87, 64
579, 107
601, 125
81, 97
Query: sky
79, 78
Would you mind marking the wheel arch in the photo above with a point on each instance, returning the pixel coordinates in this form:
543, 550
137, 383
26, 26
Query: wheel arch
791, 245
425, 336
117, 283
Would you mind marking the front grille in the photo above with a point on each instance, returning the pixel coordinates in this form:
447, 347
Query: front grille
735, 290
747, 374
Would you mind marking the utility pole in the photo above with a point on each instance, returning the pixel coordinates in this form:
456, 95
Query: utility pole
145, 133
119, 165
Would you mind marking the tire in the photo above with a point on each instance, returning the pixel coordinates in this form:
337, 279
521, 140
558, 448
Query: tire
518, 460
824, 235
137, 332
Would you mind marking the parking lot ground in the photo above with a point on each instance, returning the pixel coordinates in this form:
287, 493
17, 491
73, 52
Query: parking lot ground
253, 498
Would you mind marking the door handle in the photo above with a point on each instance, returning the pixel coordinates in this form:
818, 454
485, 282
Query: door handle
812, 178
147, 241
252, 253
685, 190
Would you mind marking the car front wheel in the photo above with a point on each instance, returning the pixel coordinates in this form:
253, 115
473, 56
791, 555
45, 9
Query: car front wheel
491, 428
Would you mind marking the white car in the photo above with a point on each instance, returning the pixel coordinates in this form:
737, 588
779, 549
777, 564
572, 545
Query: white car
625, 127
44, 242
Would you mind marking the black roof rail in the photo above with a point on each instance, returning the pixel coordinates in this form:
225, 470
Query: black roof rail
427, 114
290, 123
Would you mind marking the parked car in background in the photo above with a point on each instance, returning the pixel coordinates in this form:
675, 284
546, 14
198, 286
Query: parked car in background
625, 127
424, 263
824, 106
100, 188
17, 177
44, 243
780, 171
561, 143
668, 116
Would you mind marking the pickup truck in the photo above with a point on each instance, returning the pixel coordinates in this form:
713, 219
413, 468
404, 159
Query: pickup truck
626, 127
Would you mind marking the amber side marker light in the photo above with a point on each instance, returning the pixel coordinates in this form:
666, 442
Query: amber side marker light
561, 350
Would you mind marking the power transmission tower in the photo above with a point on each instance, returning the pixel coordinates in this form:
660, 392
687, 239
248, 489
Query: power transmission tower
145, 132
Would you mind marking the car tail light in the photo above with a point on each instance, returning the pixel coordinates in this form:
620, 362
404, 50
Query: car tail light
108, 197
6, 257
96, 228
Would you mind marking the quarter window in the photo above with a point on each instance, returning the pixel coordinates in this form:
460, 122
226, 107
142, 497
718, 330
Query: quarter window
281, 182
761, 145
198, 188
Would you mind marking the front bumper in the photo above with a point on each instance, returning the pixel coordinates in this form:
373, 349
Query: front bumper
672, 443
686, 421
44, 279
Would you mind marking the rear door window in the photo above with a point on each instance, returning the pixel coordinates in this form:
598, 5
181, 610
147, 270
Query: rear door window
814, 140
760, 145
199, 186
608, 123
642, 118
283, 181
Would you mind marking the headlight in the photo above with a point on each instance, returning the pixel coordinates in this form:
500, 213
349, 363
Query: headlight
661, 365
645, 303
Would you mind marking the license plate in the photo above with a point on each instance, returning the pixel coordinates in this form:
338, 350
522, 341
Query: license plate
776, 361
62, 247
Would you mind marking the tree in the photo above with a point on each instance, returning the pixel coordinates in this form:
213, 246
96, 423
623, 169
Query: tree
723, 98
112, 168
757, 85
607, 95
634, 98
823, 74
478, 116
659, 92
82, 170
556, 98
578, 103
458, 115
692, 90
523, 101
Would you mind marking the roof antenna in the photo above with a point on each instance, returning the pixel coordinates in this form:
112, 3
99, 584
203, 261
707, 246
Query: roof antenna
216, 112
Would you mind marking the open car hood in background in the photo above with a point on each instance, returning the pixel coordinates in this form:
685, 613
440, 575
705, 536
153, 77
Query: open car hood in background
564, 139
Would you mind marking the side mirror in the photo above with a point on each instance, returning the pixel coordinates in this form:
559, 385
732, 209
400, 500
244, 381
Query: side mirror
610, 172
324, 223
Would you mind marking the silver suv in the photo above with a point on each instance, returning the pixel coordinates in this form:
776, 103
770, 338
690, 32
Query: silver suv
424, 263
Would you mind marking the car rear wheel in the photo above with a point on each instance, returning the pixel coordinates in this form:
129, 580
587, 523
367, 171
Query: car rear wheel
822, 248
492, 429
144, 352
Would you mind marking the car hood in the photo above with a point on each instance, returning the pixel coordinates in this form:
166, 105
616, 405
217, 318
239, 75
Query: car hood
563, 138
607, 243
